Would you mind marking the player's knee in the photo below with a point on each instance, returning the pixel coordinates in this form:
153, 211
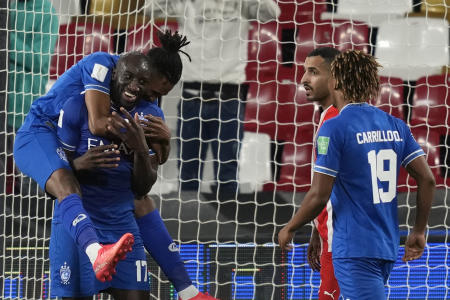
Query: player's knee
143, 206
62, 183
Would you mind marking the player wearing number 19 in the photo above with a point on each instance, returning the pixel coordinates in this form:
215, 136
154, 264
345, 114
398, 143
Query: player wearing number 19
359, 154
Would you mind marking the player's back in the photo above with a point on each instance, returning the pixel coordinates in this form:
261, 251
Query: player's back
92, 72
367, 146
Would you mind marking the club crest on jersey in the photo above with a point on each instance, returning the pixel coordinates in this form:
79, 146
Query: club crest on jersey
64, 273
61, 154
322, 144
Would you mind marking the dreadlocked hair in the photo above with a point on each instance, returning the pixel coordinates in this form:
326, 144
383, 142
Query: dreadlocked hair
166, 59
356, 75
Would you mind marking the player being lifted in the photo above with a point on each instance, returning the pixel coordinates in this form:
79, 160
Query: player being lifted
315, 81
151, 227
108, 193
43, 163
359, 154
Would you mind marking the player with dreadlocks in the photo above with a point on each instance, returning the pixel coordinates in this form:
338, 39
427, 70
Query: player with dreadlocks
359, 153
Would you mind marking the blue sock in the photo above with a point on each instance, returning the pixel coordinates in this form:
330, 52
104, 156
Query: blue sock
77, 221
157, 241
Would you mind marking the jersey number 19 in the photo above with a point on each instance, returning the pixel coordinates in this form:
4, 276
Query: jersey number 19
378, 172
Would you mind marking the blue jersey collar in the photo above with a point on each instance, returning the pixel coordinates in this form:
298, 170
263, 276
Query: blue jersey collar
359, 104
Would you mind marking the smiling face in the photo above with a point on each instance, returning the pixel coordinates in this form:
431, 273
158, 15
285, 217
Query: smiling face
315, 80
133, 80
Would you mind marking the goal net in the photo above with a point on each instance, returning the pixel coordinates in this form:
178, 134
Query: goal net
228, 239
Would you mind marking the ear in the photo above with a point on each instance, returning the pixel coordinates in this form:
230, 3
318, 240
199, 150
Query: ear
113, 74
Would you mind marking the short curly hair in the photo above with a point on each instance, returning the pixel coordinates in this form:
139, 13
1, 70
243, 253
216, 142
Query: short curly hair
356, 75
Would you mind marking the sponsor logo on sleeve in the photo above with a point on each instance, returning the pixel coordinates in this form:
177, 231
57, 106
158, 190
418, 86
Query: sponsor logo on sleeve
173, 247
322, 144
78, 219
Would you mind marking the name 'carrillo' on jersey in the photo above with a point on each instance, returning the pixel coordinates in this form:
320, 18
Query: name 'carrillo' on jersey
378, 136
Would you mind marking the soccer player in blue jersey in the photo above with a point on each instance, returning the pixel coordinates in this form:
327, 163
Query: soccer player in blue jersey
108, 193
92, 77
39, 155
359, 154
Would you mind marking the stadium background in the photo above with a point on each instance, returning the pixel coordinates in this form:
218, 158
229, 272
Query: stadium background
229, 245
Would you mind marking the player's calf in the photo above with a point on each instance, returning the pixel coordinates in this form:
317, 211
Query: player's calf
109, 255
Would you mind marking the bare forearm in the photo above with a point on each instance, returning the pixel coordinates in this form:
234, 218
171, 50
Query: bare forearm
421, 172
98, 106
144, 173
310, 208
425, 195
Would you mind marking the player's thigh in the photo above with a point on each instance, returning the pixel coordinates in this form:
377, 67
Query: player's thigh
71, 272
38, 154
361, 278
120, 294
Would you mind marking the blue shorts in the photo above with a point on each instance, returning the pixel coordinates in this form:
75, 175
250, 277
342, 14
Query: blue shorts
38, 153
72, 274
362, 278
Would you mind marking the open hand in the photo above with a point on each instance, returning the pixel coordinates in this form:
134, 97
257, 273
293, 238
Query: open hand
105, 156
128, 130
313, 252
155, 129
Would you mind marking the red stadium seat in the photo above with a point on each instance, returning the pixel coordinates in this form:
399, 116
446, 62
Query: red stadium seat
264, 51
261, 106
429, 140
390, 99
144, 37
77, 40
309, 37
431, 103
278, 109
348, 34
301, 11
295, 171
341, 34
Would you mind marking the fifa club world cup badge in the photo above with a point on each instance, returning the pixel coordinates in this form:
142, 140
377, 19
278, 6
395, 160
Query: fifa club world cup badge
64, 272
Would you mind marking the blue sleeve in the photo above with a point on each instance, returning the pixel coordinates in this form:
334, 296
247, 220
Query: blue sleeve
412, 149
69, 123
328, 145
152, 108
96, 71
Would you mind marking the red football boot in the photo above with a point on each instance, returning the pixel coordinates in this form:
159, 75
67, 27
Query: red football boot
109, 256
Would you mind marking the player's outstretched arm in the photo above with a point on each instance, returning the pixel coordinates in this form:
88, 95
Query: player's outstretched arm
311, 206
420, 171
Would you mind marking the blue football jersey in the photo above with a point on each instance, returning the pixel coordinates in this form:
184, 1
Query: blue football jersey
91, 73
363, 148
107, 194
